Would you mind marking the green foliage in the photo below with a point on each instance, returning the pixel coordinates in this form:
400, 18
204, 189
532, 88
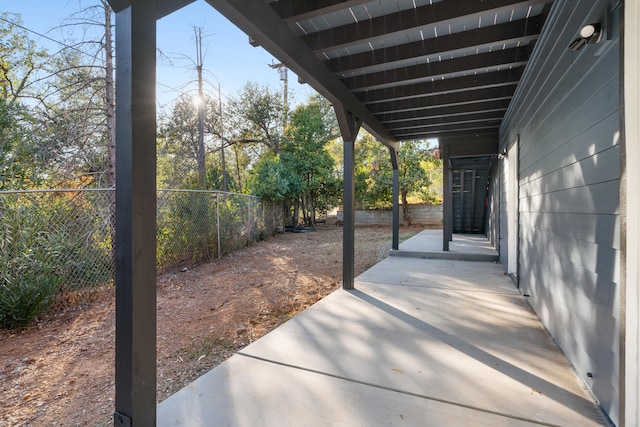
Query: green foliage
259, 118
20, 59
237, 230
273, 180
373, 174
50, 243
305, 151
29, 266
304, 173
433, 166
19, 154
72, 124
86, 256
419, 173
185, 232
27, 297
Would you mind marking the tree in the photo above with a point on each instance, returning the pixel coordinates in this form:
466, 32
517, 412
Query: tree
180, 137
93, 75
302, 175
412, 175
272, 180
72, 123
20, 155
258, 118
374, 176
20, 59
71, 97
305, 151
22, 159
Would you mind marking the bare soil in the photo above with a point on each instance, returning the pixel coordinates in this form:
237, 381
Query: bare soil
61, 370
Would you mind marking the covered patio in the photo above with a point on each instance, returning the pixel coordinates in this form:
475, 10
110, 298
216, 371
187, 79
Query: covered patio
538, 132
418, 342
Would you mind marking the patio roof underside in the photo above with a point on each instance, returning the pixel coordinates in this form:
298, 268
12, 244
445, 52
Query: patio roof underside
408, 69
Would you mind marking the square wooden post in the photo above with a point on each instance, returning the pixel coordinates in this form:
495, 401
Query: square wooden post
135, 246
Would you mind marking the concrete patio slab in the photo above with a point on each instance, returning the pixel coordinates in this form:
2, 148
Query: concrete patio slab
464, 247
418, 343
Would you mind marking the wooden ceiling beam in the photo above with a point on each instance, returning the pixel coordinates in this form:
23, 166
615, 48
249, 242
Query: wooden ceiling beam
260, 22
446, 12
296, 10
508, 58
458, 98
429, 122
448, 111
456, 84
434, 132
523, 30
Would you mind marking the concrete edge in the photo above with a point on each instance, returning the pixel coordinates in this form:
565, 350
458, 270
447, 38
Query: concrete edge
454, 256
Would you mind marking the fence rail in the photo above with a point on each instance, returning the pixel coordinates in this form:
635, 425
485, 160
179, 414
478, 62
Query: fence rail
53, 241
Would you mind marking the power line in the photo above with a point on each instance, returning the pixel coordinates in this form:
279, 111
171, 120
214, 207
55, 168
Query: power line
85, 53
43, 36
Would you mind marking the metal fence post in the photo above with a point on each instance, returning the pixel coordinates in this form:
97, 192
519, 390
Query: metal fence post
249, 216
218, 222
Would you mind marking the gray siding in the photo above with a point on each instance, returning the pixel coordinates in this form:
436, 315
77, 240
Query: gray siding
502, 215
493, 208
566, 113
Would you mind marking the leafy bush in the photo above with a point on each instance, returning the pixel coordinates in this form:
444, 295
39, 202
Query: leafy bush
28, 265
24, 299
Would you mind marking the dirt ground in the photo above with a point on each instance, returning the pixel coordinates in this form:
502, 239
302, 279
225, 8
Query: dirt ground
61, 372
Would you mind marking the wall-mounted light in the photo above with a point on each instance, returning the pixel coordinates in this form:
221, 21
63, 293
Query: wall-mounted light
589, 34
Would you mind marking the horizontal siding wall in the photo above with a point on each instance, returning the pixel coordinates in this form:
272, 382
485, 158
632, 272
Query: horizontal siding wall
493, 210
566, 112
502, 215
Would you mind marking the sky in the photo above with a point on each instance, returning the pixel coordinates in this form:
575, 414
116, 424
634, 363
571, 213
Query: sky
229, 58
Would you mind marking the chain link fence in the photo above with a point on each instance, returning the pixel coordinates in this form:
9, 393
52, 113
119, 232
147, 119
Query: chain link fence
196, 226
54, 242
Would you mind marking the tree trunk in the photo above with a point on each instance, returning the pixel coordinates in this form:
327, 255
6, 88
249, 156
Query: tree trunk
405, 208
202, 170
110, 103
286, 212
110, 110
224, 163
239, 187
312, 209
296, 211
305, 210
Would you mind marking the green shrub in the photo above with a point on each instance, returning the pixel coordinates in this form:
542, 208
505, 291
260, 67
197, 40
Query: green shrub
27, 297
29, 264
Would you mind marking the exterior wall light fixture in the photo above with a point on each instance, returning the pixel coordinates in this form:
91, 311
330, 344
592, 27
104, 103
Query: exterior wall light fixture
589, 34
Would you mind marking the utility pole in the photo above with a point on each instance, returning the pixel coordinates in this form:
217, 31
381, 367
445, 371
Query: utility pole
284, 76
202, 172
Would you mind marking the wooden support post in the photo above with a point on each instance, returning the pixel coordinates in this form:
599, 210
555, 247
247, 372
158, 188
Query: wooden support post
396, 204
349, 127
135, 246
447, 202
